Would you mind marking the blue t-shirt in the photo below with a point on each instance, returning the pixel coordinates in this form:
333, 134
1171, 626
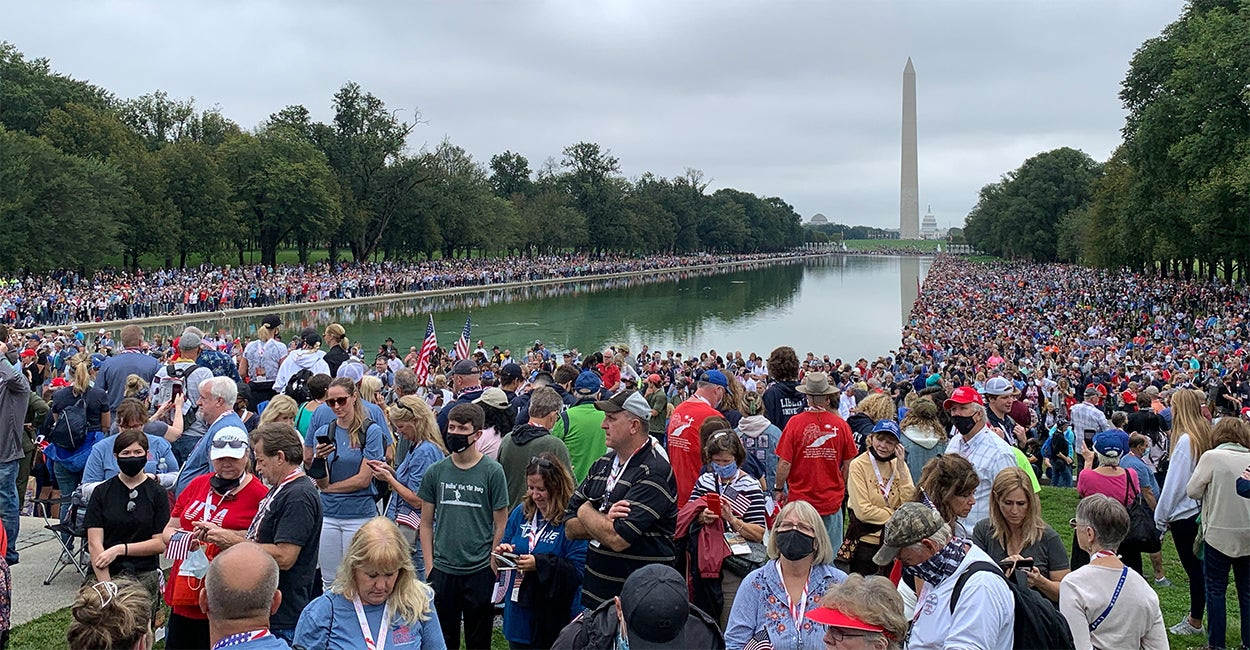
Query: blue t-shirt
115, 370
1145, 477
517, 625
343, 464
329, 623
324, 415
102, 464
409, 473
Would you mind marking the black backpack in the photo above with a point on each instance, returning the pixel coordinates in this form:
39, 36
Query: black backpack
70, 429
1039, 626
297, 386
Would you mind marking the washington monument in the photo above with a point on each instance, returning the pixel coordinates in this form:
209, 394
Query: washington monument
909, 186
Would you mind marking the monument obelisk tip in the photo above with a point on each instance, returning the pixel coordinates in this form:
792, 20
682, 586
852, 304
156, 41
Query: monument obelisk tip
909, 187
909, 68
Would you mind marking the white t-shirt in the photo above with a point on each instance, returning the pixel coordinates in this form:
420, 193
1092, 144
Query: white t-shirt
984, 618
1135, 621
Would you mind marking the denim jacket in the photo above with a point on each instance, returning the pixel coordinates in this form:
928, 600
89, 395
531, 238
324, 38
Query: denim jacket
761, 602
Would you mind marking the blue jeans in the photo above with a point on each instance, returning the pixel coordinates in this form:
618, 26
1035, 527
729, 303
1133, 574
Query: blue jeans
1215, 567
1061, 477
68, 482
833, 524
9, 511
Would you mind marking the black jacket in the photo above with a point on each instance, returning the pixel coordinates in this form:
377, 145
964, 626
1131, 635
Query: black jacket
597, 630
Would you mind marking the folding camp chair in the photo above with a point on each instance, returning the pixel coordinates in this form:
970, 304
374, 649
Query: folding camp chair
68, 528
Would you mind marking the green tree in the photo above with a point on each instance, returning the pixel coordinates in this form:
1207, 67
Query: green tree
59, 211
592, 179
510, 175
199, 198
29, 90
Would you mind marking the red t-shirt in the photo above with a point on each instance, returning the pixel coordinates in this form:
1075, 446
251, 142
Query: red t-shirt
685, 451
816, 443
233, 512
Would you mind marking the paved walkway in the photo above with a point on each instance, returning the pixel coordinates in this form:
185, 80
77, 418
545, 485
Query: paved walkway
38, 550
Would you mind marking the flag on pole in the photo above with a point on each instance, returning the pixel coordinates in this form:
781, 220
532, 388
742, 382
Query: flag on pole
462, 345
428, 347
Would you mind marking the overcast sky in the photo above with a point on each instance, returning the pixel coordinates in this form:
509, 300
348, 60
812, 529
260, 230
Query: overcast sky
800, 100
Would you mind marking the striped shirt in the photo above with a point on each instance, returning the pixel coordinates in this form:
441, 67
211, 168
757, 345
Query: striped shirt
1088, 421
744, 495
989, 455
647, 482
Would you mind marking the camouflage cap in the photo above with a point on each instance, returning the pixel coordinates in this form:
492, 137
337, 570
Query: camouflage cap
911, 523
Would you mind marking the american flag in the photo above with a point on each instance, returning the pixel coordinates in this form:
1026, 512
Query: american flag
462, 345
427, 348
179, 546
410, 518
759, 641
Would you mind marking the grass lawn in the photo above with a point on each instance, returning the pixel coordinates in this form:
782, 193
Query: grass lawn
1058, 506
871, 244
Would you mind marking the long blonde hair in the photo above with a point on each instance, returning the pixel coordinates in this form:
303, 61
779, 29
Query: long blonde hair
356, 432
1187, 419
378, 546
369, 387
1009, 480
411, 408
81, 366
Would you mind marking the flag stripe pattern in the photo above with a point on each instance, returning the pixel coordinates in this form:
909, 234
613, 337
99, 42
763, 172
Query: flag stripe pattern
462, 345
428, 347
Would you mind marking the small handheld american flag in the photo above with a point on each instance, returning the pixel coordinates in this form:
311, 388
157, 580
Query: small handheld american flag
179, 546
409, 518
462, 345
759, 641
427, 348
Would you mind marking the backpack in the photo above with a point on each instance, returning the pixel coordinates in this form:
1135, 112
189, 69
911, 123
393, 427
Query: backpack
1038, 623
1046, 446
297, 386
70, 429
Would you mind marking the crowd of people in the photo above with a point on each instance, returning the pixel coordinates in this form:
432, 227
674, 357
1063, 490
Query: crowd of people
68, 297
312, 497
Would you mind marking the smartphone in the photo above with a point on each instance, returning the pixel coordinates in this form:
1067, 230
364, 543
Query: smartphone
713, 502
506, 561
175, 389
324, 439
1023, 564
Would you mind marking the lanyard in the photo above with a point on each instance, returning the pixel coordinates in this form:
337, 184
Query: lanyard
240, 638
383, 629
535, 533
618, 468
797, 612
1106, 552
883, 485
254, 528
209, 508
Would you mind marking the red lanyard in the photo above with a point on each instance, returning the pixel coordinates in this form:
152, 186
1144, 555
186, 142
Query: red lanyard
1106, 552
797, 611
535, 533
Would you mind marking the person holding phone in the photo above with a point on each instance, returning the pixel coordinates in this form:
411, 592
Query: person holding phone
1016, 536
345, 446
540, 567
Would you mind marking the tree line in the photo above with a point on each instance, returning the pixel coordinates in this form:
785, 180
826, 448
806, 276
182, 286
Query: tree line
1174, 197
90, 178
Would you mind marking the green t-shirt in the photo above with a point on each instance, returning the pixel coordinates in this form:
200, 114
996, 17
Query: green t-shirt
659, 404
584, 437
465, 501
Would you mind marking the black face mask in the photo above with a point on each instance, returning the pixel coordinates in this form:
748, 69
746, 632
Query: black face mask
795, 545
964, 424
132, 466
223, 485
879, 457
457, 443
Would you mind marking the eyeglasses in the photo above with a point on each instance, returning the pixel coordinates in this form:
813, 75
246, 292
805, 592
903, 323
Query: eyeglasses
835, 635
801, 527
233, 444
130, 505
538, 461
333, 402
1076, 524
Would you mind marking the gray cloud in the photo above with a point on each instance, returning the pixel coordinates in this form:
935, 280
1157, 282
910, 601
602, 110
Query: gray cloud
794, 99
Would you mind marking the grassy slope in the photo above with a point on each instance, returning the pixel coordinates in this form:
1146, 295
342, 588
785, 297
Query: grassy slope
870, 244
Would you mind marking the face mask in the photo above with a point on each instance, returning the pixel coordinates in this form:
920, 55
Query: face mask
795, 545
879, 457
457, 443
964, 424
132, 465
223, 485
726, 471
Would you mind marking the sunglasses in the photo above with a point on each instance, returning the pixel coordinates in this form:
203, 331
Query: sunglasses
130, 505
232, 444
336, 401
537, 461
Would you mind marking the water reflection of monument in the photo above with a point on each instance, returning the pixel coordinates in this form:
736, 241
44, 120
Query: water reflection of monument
909, 285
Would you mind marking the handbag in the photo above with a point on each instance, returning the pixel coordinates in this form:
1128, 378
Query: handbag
1141, 528
855, 531
189, 579
741, 565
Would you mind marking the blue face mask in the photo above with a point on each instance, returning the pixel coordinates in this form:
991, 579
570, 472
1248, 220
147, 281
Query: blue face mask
726, 471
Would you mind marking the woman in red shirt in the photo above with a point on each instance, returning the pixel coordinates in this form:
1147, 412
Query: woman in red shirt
215, 510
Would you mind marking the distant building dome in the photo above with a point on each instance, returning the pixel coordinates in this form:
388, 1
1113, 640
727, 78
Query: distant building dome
819, 219
928, 227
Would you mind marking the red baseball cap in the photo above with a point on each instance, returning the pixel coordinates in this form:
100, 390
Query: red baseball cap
836, 618
655, 379
963, 395
28, 353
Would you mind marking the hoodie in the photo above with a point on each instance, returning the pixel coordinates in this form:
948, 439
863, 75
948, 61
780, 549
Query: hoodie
517, 448
921, 445
759, 437
313, 360
782, 401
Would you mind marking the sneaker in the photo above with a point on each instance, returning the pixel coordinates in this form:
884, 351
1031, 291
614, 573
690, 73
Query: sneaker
1163, 582
66, 558
1184, 628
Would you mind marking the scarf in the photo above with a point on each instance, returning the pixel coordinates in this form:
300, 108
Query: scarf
942, 565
